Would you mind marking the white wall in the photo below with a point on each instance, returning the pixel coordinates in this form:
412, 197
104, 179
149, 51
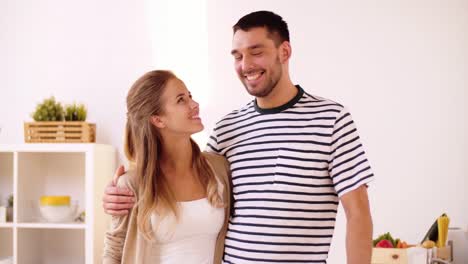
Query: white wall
84, 51
400, 66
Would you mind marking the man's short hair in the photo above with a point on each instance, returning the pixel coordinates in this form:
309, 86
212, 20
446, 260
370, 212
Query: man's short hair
275, 25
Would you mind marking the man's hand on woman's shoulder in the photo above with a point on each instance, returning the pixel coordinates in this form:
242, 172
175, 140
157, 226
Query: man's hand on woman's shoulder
117, 201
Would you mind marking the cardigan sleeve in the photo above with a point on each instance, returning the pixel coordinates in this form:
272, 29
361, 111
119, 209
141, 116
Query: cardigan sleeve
115, 236
221, 168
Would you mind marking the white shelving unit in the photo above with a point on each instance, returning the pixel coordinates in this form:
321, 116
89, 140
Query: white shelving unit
29, 171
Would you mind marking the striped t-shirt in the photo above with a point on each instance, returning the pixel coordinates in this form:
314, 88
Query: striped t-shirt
289, 167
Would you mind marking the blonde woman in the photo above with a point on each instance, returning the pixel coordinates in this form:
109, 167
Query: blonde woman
183, 195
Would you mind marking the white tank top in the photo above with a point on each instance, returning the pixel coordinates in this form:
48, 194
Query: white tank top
192, 238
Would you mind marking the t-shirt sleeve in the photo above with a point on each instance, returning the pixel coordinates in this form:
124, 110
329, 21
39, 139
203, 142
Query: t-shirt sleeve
349, 167
212, 145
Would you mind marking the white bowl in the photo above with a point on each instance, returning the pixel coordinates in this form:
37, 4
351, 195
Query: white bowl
59, 213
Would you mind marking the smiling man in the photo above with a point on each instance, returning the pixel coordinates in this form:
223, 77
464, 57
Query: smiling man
294, 157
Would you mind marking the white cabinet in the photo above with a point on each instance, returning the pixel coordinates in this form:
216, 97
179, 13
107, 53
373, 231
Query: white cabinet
29, 171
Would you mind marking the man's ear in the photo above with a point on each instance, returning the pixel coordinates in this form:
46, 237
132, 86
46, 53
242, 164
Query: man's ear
157, 121
285, 51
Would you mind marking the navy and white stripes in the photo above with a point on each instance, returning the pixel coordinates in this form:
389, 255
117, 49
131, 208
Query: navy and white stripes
289, 167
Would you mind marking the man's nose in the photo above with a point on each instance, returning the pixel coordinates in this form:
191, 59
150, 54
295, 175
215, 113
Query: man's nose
246, 63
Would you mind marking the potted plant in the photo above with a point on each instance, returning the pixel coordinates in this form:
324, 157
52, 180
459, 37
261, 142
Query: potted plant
57, 124
48, 110
10, 209
75, 112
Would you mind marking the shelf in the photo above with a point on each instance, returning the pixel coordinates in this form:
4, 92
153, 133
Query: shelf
44, 225
6, 242
51, 246
55, 147
6, 176
51, 225
6, 225
29, 171
53, 173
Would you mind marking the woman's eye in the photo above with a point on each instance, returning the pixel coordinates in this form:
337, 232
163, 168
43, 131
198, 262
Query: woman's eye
181, 99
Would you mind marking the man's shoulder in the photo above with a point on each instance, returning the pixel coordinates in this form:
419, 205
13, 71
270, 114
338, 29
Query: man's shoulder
242, 111
308, 98
320, 105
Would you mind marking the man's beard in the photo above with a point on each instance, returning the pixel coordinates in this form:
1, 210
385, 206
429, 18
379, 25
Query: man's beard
270, 85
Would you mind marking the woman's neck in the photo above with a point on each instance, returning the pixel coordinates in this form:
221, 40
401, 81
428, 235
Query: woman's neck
177, 155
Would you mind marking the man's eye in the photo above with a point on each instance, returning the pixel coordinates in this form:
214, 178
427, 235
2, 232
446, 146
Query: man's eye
181, 99
237, 58
257, 53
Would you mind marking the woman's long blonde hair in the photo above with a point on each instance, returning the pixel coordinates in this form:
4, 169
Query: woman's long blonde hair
143, 148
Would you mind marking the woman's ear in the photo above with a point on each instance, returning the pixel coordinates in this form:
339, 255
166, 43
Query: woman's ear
157, 121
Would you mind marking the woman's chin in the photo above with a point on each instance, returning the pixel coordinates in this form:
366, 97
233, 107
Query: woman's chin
197, 128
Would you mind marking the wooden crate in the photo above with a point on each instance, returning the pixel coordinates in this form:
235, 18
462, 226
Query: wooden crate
389, 256
402, 256
59, 132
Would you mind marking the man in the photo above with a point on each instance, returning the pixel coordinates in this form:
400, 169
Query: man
293, 158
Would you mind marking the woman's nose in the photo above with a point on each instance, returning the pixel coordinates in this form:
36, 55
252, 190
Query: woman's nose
193, 104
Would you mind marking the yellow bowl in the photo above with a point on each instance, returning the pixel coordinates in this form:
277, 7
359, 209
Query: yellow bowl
55, 200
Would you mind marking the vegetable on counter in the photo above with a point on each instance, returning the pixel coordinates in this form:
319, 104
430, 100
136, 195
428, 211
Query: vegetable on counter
387, 241
442, 226
438, 231
384, 244
436, 236
428, 244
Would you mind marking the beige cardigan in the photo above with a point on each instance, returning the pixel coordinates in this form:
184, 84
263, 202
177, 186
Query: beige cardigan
124, 244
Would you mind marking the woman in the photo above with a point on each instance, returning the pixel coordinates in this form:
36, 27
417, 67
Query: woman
183, 195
